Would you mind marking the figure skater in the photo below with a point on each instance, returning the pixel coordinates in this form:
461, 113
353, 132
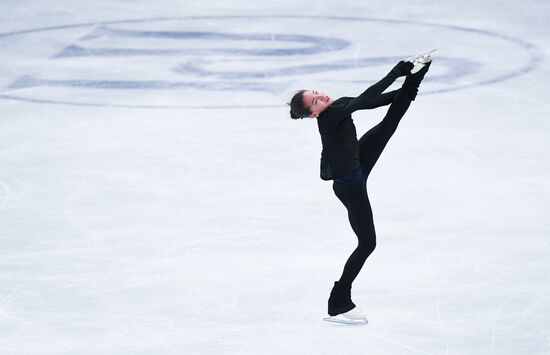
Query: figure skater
348, 162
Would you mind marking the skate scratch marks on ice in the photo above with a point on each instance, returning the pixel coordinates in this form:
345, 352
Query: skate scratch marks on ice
409, 347
501, 308
534, 304
441, 323
7, 193
5, 302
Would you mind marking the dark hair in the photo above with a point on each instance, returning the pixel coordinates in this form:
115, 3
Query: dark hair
297, 107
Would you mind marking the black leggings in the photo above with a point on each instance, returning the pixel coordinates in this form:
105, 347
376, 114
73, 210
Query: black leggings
354, 196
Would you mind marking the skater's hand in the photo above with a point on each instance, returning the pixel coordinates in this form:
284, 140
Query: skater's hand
402, 68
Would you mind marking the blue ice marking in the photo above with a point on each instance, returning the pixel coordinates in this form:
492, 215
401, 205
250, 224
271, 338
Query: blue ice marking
29, 81
456, 68
315, 44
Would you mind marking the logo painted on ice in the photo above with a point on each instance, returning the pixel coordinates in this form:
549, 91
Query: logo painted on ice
136, 56
196, 67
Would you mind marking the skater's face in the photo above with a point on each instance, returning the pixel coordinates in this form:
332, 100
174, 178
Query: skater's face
317, 102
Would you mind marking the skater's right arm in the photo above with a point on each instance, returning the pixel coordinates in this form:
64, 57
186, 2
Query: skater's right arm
383, 99
370, 98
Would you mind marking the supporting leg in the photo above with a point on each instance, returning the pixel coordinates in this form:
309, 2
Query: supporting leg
360, 216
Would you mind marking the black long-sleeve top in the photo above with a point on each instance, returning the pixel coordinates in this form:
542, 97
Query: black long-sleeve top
340, 154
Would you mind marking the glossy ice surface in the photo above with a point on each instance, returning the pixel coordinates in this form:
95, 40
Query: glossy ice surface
156, 198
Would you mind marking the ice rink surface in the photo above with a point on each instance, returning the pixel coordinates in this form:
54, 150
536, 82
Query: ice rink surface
156, 198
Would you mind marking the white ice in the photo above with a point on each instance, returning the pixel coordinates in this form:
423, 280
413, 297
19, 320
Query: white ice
182, 212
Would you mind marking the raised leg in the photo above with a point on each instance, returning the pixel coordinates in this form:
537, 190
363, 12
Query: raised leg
373, 142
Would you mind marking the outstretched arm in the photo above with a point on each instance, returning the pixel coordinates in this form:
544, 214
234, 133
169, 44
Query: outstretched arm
383, 99
373, 97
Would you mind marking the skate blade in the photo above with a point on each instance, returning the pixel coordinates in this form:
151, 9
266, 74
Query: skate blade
414, 57
341, 319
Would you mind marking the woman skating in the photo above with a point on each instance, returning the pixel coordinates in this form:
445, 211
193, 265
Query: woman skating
348, 162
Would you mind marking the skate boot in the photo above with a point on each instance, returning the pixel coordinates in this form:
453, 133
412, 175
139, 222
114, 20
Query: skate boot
355, 316
420, 62
340, 299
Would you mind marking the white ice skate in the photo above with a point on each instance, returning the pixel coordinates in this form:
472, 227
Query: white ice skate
355, 316
420, 60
